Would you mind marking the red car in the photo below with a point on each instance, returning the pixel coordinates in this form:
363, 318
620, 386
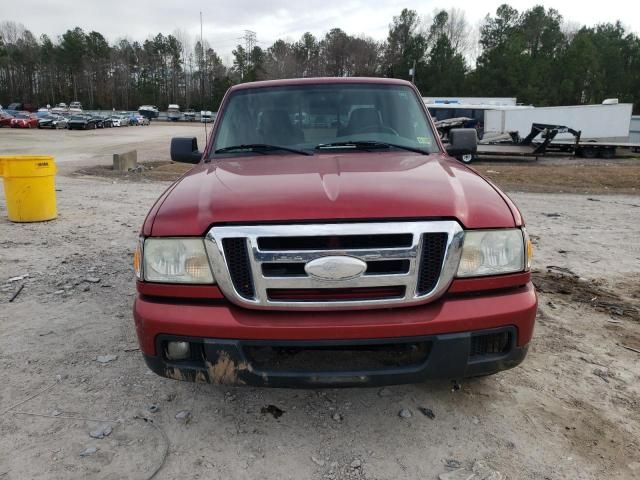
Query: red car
24, 120
5, 120
327, 237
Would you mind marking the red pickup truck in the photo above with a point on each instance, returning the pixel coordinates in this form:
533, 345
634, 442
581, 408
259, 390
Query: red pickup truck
327, 237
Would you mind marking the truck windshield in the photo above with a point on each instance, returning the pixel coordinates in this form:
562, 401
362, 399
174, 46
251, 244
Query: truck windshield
323, 117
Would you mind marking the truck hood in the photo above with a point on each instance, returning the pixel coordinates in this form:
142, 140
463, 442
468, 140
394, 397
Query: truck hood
362, 185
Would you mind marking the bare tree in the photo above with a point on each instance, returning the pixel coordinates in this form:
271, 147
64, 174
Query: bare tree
458, 30
570, 29
11, 31
451, 23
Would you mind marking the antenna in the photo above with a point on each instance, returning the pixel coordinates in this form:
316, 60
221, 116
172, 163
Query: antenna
250, 41
203, 58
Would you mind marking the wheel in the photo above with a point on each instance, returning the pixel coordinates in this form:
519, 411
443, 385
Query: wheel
609, 152
588, 152
467, 158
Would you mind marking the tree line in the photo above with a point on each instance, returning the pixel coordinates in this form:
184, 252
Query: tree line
534, 55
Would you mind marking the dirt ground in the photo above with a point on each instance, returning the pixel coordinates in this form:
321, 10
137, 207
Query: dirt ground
565, 175
570, 411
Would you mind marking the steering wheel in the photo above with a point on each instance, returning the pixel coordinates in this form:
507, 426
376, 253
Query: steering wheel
380, 129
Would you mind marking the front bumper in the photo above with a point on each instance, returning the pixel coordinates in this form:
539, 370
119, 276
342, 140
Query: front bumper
222, 333
228, 362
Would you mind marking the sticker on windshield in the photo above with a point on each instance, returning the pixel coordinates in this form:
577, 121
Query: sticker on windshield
424, 140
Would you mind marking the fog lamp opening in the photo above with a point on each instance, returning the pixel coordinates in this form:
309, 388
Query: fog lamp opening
178, 350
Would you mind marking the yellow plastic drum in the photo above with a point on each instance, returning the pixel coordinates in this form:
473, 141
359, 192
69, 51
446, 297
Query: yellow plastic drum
29, 187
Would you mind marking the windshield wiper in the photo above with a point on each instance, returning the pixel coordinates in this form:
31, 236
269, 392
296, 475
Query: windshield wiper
366, 144
262, 148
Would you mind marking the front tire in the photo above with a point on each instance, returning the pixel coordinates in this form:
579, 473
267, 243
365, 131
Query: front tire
467, 158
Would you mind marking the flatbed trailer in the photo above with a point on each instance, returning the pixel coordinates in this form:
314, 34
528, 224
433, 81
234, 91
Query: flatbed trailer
542, 140
593, 148
528, 146
498, 150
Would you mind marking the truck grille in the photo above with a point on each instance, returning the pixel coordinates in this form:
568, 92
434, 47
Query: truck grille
334, 294
235, 250
433, 248
264, 266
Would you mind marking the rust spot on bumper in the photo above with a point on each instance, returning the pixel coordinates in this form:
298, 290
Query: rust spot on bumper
175, 374
225, 370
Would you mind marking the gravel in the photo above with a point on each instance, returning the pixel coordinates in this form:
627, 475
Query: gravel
528, 405
405, 413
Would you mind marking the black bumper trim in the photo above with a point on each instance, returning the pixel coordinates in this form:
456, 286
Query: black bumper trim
223, 361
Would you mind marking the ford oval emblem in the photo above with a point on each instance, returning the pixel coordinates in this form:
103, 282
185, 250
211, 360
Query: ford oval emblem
335, 268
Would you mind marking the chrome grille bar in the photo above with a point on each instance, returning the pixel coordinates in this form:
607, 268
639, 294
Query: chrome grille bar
308, 255
412, 253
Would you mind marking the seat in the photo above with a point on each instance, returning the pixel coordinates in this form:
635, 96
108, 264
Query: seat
360, 120
276, 128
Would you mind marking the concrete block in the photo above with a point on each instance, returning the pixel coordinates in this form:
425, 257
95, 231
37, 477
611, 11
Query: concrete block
123, 162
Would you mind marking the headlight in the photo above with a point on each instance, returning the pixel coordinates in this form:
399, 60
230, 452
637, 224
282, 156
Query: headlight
493, 252
176, 260
137, 259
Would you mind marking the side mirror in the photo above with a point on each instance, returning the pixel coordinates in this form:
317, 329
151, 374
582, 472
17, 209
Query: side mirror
462, 141
185, 150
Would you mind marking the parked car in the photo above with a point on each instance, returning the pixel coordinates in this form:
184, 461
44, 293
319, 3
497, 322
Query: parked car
24, 120
99, 120
107, 122
206, 116
75, 107
190, 115
386, 260
60, 108
142, 120
5, 119
53, 121
83, 122
133, 119
116, 121
173, 112
22, 107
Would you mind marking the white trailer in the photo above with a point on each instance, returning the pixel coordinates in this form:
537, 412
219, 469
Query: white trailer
488, 101
595, 122
584, 130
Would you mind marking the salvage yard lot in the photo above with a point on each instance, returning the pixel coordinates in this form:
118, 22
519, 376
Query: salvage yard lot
95, 147
570, 411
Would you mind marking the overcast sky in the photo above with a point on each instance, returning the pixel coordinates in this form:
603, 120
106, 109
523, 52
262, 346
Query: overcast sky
225, 21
